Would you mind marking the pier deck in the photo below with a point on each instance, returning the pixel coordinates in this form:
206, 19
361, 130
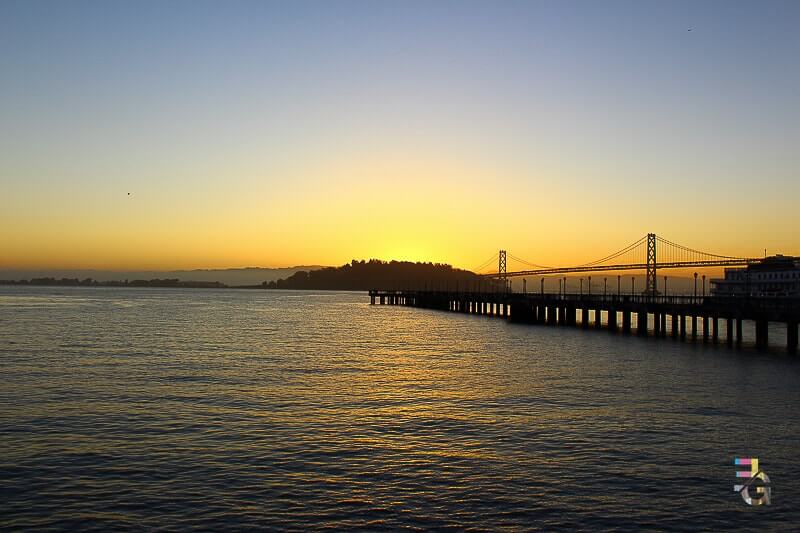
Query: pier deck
616, 312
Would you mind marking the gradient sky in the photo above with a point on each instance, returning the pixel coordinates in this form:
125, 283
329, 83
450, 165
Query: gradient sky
275, 134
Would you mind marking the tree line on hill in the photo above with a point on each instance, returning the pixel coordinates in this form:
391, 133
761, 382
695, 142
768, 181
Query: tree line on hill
377, 274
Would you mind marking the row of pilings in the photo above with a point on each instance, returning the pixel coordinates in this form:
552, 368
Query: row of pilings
680, 317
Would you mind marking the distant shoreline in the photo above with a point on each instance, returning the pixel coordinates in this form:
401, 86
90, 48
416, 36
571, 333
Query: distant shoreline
354, 276
139, 283
148, 285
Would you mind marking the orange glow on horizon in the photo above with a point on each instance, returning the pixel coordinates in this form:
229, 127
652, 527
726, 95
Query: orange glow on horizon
386, 206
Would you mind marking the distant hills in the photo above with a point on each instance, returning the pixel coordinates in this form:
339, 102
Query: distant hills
225, 276
356, 275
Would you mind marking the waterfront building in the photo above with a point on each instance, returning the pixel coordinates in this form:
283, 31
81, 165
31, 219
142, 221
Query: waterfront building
775, 276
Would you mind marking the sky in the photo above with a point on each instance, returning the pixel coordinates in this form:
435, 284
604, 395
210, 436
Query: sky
161, 135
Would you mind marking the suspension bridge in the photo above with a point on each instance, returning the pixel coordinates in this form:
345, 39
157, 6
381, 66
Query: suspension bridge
648, 314
649, 253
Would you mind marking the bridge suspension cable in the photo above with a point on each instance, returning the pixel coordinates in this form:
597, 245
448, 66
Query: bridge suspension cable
528, 263
638, 255
684, 253
616, 254
486, 263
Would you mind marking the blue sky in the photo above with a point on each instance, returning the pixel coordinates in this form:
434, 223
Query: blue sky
265, 133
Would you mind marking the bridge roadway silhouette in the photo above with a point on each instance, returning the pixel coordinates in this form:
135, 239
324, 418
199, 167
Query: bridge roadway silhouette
615, 312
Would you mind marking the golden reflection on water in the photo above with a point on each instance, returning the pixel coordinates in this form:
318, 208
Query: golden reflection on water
154, 408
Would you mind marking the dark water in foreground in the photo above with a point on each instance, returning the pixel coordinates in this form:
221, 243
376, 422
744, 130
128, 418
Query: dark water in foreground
149, 408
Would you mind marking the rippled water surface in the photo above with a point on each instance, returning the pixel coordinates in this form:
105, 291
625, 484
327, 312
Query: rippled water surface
150, 408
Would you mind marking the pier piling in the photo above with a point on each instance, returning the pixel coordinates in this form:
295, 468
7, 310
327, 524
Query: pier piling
562, 309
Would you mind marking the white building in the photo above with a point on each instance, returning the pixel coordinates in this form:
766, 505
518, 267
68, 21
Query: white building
775, 276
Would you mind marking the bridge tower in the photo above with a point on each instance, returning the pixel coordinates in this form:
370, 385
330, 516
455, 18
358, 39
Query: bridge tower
501, 268
652, 281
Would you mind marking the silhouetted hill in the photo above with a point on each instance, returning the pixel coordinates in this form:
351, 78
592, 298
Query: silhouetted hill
372, 274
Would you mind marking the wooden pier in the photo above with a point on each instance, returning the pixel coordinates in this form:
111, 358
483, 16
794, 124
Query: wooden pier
615, 312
